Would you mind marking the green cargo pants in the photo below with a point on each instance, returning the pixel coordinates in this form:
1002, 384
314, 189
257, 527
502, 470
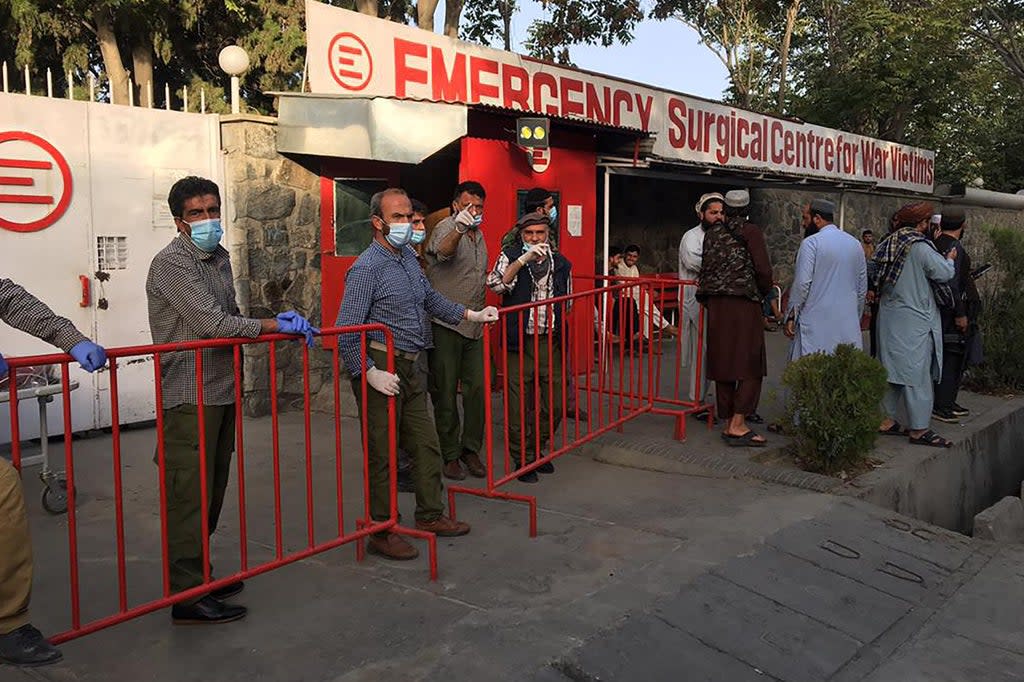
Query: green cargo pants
416, 435
547, 410
184, 500
457, 360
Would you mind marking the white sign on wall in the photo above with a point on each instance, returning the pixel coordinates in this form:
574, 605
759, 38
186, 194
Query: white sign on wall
356, 54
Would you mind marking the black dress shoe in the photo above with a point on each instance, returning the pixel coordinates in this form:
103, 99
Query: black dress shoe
26, 647
229, 590
546, 468
529, 477
206, 611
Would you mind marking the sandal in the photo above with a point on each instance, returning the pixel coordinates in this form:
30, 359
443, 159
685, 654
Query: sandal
895, 430
746, 440
931, 439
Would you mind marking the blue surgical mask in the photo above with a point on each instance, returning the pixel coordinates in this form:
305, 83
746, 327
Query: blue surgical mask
553, 215
477, 219
399, 234
526, 247
206, 234
418, 236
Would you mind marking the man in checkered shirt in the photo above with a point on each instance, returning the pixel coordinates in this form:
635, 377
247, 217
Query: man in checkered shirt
528, 271
20, 643
191, 296
387, 286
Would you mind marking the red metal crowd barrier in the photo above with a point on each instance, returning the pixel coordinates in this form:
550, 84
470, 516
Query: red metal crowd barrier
593, 353
247, 568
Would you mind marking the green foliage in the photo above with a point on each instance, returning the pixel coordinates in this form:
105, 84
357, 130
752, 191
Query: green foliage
581, 22
1002, 317
833, 407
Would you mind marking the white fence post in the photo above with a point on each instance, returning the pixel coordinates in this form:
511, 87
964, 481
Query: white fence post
49, 82
71, 86
28, 83
131, 93
184, 98
6, 89
202, 100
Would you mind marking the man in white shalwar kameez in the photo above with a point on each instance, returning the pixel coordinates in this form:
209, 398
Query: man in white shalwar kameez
829, 288
909, 326
711, 211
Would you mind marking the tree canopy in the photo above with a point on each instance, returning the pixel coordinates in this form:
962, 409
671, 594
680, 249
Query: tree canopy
942, 74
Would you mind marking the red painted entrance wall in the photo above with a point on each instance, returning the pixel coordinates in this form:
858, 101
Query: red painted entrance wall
502, 168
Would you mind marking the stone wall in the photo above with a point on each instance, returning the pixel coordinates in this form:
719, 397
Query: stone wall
273, 224
654, 214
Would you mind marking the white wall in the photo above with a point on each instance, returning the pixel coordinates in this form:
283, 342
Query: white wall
123, 161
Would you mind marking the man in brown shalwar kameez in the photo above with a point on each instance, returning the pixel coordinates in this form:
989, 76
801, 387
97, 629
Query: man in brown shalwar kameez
736, 274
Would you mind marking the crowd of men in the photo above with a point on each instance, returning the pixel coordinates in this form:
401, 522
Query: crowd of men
430, 293
916, 285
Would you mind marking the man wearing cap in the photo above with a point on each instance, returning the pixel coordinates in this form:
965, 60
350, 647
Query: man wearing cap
736, 274
532, 271
457, 268
955, 319
711, 211
386, 286
829, 286
907, 269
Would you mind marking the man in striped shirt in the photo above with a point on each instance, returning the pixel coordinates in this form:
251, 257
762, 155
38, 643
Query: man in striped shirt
191, 296
20, 643
387, 286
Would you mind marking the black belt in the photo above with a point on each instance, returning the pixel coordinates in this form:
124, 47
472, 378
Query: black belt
377, 345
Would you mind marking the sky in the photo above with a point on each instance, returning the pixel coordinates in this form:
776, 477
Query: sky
662, 53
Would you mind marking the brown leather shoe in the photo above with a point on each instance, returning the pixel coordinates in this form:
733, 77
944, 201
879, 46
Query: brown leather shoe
473, 463
454, 470
392, 546
444, 526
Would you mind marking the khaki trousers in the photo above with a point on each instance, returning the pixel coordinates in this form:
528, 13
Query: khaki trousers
15, 552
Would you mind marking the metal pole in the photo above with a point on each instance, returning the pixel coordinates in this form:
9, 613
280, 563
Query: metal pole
49, 82
234, 94
28, 84
6, 89
71, 86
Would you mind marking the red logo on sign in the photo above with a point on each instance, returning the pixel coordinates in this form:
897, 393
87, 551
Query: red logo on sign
34, 154
350, 61
540, 159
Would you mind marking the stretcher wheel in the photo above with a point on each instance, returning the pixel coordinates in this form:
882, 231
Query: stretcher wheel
55, 497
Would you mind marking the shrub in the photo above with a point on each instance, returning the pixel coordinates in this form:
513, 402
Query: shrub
1002, 316
833, 407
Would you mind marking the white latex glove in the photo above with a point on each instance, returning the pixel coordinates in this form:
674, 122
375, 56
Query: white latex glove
537, 252
465, 218
383, 382
488, 314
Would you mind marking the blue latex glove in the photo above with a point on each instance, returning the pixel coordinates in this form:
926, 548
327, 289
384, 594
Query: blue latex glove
293, 323
3, 366
89, 355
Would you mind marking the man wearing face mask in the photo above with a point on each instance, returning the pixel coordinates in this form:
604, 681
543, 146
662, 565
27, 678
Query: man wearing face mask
531, 272
711, 211
457, 268
386, 286
191, 296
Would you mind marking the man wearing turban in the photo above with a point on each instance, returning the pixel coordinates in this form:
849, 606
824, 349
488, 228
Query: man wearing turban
908, 274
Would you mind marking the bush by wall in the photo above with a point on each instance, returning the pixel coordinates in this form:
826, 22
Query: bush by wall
833, 408
1002, 317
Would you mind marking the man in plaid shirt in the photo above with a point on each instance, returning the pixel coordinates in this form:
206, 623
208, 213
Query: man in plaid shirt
191, 296
387, 286
20, 643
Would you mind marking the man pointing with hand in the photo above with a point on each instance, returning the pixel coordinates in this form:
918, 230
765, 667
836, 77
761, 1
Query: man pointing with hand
386, 286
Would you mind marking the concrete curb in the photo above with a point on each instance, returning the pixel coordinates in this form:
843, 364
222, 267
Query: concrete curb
947, 487
659, 454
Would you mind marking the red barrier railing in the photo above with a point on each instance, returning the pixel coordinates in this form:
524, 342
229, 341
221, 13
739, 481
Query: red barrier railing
585, 345
281, 555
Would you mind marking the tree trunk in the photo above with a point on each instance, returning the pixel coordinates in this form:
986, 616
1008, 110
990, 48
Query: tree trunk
367, 7
505, 8
452, 14
112, 62
142, 68
425, 14
787, 39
